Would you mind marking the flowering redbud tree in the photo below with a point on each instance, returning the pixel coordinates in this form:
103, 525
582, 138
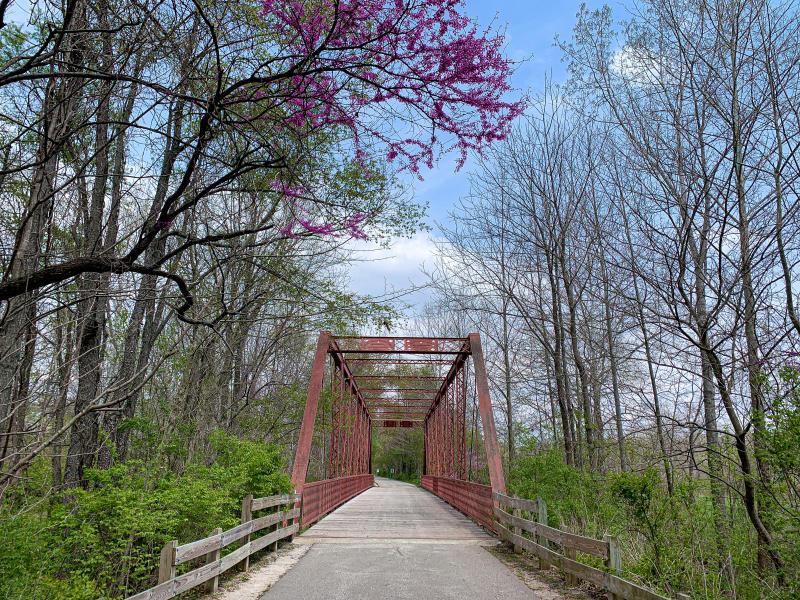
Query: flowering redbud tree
409, 79
272, 97
361, 64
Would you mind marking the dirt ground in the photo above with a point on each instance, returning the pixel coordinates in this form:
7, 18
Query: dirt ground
549, 584
261, 576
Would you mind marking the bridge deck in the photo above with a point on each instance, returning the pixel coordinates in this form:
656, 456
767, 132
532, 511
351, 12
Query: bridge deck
393, 510
397, 541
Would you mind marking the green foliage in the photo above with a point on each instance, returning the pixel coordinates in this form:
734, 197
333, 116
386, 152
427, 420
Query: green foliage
546, 475
667, 542
409, 478
107, 538
33, 564
399, 449
779, 500
783, 428
647, 508
13, 39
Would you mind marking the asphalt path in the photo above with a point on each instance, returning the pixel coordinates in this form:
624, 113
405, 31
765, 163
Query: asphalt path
397, 541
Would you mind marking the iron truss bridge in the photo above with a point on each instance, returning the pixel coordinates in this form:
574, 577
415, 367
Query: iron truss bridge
401, 382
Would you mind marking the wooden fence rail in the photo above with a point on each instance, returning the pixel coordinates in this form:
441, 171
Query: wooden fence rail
170, 584
510, 526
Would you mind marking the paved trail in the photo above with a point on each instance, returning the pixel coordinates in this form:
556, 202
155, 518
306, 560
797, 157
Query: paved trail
397, 541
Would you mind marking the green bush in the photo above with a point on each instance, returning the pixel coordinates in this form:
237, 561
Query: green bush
33, 564
648, 510
106, 539
408, 478
667, 542
574, 497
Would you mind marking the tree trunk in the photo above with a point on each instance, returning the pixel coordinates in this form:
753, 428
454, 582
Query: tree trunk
59, 107
559, 368
65, 342
507, 381
94, 290
612, 357
135, 357
580, 365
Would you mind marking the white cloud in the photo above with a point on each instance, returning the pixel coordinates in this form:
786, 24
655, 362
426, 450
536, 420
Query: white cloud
638, 65
379, 271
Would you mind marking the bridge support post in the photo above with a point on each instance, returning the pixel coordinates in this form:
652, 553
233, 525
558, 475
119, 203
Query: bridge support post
493, 458
300, 467
425, 447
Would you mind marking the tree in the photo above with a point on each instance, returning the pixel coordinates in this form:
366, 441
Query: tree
686, 95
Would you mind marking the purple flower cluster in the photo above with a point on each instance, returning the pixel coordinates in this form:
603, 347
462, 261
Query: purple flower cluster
352, 224
362, 64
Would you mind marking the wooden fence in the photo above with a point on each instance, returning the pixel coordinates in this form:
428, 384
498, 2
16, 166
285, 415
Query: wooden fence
170, 584
560, 548
552, 546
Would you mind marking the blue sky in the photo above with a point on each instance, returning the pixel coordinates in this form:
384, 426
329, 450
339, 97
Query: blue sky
530, 29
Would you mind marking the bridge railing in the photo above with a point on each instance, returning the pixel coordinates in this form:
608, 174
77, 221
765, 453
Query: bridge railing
321, 497
545, 541
209, 549
472, 499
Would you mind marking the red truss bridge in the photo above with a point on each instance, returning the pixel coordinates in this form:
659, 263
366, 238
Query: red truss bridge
400, 382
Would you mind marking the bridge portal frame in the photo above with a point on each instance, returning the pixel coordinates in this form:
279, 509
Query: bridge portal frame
444, 420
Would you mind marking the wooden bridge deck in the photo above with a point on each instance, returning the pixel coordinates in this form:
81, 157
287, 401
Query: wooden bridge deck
397, 541
393, 510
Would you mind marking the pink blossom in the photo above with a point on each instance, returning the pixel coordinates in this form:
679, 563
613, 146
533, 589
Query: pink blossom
351, 225
369, 69
366, 65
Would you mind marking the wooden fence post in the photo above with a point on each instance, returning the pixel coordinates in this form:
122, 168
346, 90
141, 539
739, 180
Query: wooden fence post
541, 505
571, 553
166, 565
572, 580
247, 515
614, 561
517, 530
211, 557
277, 526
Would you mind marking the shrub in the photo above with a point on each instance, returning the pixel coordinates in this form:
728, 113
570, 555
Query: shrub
107, 538
573, 496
